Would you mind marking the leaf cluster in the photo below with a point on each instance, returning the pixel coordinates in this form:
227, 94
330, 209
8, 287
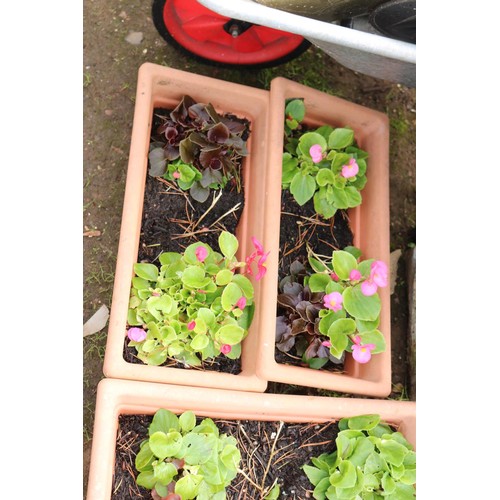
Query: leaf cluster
322, 181
185, 292
201, 147
183, 460
371, 462
306, 322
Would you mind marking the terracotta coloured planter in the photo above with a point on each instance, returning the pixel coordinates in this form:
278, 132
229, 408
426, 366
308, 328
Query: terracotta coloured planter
369, 223
116, 397
160, 86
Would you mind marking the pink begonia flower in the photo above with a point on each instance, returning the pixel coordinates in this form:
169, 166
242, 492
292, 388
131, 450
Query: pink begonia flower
326, 343
316, 153
259, 252
242, 302
334, 277
378, 277
379, 273
136, 334
354, 275
362, 353
176, 175
225, 349
333, 301
368, 288
191, 325
201, 253
350, 169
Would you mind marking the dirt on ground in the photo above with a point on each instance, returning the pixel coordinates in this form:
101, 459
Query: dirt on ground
110, 65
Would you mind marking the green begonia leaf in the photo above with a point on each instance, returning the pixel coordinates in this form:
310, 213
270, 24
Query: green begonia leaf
164, 472
353, 196
363, 422
165, 445
187, 421
230, 457
187, 487
230, 295
168, 258
228, 244
327, 320
324, 176
296, 109
140, 283
343, 263
289, 168
341, 138
199, 447
321, 488
302, 187
245, 284
230, 334
374, 337
392, 451
146, 271
207, 316
344, 476
193, 276
360, 306
146, 479
318, 282
200, 342
388, 483
339, 197
325, 131
322, 206
314, 474
164, 421
144, 458
224, 277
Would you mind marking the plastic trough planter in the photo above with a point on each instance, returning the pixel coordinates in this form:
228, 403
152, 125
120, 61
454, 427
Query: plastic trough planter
369, 223
160, 86
118, 397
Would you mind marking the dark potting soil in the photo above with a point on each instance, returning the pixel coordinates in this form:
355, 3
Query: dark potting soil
172, 220
301, 224
294, 445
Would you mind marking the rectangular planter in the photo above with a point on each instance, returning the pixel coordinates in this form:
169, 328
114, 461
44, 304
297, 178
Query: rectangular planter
117, 397
159, 86
369, 223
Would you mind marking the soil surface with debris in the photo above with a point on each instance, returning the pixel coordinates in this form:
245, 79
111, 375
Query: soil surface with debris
117, 38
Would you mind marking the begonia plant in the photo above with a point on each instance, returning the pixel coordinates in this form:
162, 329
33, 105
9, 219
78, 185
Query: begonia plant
371, 462
324, 164
196, 305
182, 460
331, 307
198, 149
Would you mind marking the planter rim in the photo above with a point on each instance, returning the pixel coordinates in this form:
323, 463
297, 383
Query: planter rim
115, 397
159, 86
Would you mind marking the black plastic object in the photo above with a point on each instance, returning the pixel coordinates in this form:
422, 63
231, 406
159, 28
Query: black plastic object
396, 19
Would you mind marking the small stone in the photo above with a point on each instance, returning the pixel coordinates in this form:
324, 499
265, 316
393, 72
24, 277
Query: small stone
108, 112
123, 14
134, 37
